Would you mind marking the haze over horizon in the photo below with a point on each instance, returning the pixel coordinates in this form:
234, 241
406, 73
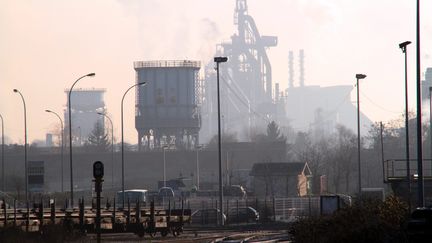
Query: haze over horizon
47, 45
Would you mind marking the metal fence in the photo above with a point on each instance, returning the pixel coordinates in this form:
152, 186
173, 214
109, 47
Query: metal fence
270, 209
289, 209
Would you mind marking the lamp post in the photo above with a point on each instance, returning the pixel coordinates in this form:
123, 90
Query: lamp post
430, 116
62, 145
122, 140
112, 147
218, 60
198, 147
70, 134
358, 77
403, 46
164, 165
419, 122
25, 144
3, 174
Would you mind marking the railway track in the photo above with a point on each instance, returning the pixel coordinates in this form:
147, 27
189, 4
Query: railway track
204, 235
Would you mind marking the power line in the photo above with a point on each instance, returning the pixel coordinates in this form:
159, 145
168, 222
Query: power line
379, 106
330, 113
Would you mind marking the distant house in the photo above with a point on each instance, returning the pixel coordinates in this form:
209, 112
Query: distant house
283, 179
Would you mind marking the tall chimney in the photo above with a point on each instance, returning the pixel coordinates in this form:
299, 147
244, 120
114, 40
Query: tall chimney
301, 57
290, 69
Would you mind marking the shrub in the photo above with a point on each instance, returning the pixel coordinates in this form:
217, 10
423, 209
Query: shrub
368, 221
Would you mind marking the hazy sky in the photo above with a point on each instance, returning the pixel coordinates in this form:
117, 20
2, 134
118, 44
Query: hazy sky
45, 45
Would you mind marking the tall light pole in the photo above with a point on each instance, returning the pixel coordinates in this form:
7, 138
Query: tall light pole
430, 117
3, 172
403, 46
122, 140
198, 147
112, 147
164, 165
62, 145
70, 134
419, 124
25, 145
218, 60
358, 77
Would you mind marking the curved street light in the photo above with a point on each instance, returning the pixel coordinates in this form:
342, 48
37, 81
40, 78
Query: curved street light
420, 180
122, 140
358, 77
403, 47
70, 134
62, 146
219, 60
3, 173
112, 147
25, 144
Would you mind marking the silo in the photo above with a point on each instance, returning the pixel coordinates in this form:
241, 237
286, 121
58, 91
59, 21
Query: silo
167, 110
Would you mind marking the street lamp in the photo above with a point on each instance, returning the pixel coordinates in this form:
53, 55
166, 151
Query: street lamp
70, 134
62, 145
403, 46
430, 116
122, 140
3, 174
164, 164
198, 147
419, 122
25, 144
218, 60
112, 147
358, 77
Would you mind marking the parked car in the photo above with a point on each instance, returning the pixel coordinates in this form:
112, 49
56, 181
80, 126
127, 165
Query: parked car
166, 192
132, 196
207, 216
242, 215
234, 191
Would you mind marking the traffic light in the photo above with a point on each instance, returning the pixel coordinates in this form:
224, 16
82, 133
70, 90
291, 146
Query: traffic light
98, 170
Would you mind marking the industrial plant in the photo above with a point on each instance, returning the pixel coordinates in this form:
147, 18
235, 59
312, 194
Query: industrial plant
84, 108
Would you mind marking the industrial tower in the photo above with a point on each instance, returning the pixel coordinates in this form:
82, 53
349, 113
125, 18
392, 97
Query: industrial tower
246, 79
85, 105
167, 112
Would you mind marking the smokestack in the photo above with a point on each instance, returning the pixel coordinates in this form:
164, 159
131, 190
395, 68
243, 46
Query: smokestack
276, 92
290, 69
301, 57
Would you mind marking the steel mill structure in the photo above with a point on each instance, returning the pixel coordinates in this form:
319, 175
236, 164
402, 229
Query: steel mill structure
85, 105
167, 111
247, 99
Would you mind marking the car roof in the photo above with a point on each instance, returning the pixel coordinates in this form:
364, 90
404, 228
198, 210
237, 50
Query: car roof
251, 208
134, 190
